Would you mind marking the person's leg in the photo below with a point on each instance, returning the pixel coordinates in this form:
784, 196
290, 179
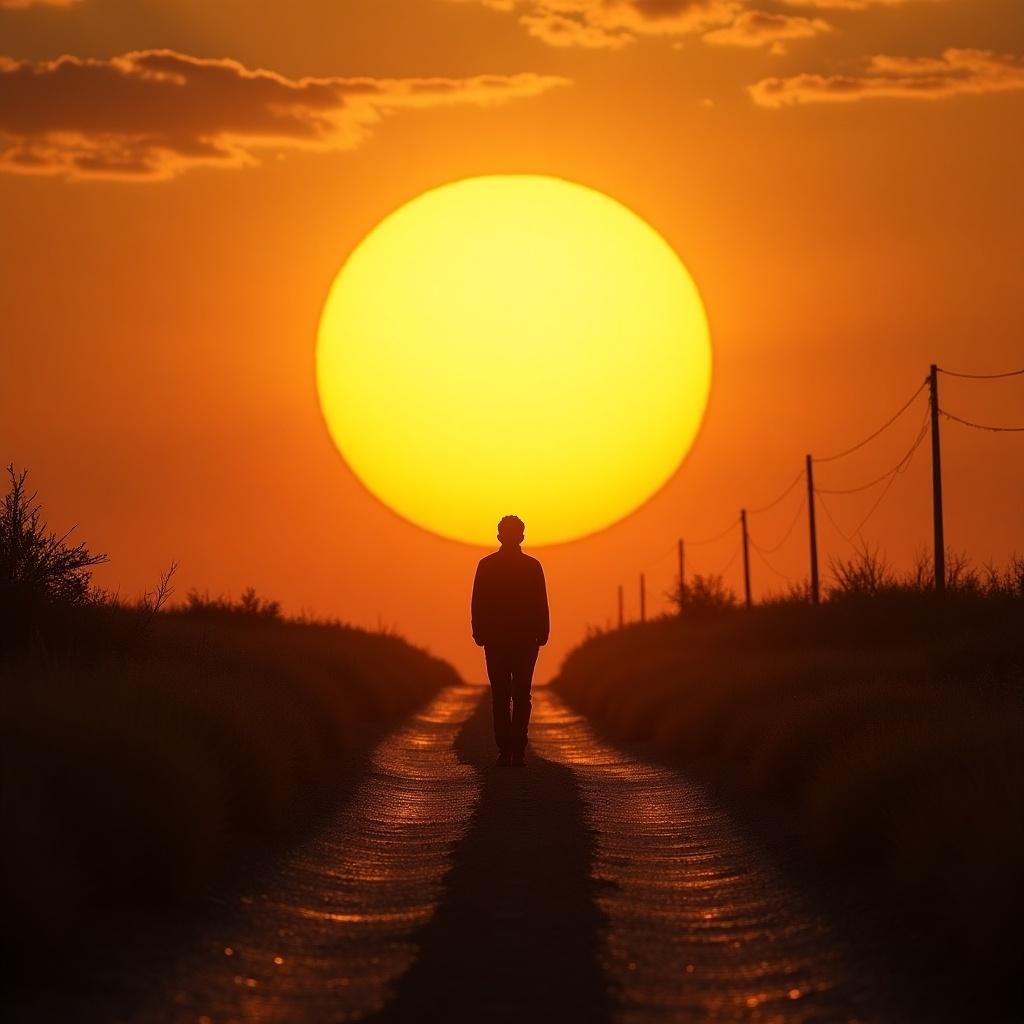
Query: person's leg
500, 675
522, 679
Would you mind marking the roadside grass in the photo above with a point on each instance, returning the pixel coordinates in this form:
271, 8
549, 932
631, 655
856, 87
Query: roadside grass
883, 731
143, 751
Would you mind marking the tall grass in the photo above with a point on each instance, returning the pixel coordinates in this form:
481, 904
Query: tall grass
882, 728
141, 750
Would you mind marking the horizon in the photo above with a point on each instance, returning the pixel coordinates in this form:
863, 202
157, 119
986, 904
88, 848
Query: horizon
159, 378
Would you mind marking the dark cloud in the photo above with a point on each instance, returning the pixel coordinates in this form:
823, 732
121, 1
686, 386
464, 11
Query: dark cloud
154, 113
955, 73
11, 5
761, 28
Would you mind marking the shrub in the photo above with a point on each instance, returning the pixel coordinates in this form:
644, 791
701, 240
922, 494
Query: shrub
701, 595
36, 563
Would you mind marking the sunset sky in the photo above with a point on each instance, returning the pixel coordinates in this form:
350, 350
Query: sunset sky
181, 180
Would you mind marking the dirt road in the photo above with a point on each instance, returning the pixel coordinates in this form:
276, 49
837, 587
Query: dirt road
589, 886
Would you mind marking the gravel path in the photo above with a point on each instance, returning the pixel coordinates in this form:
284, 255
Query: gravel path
701, 925
589, 886
323, 936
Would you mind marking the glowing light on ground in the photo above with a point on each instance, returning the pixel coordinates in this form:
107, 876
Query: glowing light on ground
513, 344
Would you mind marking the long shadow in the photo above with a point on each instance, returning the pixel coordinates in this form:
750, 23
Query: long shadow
516, 935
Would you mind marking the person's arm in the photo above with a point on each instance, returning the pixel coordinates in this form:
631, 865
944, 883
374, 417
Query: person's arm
543, 614
477, 612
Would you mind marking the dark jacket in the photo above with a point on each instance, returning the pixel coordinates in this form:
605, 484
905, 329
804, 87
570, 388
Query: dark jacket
510, 601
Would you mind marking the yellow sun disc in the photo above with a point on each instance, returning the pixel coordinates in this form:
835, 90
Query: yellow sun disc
513, 344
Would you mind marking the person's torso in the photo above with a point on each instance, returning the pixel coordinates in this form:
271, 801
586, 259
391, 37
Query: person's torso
513, 595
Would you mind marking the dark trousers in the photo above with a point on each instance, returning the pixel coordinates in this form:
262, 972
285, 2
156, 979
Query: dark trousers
510, 671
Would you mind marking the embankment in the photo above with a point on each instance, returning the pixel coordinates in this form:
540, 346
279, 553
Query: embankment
145, 753
883, 734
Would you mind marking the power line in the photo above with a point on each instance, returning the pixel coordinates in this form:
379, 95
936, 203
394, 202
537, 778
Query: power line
878, 501
899, 467
982, 426
848, 537
885, 426
724, 569
888, 479
718, 536
781, 497
658, 558
778, 572
832, 519
982, 376
728, 565
789, 530
893, 475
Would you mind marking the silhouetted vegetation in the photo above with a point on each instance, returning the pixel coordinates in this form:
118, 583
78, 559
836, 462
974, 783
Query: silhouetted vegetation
866, 574
702, 594
884, 727
140, 752
143, 748
37, 564
249, 604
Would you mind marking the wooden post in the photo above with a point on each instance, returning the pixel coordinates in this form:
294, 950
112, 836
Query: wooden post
746, 558
682, 575
622, 617
940, 538
643, 598
815, 584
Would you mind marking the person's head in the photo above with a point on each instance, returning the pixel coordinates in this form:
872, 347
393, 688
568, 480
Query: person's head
511, 531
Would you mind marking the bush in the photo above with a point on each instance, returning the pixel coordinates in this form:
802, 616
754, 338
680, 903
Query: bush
702, 594
249, 604
37, 566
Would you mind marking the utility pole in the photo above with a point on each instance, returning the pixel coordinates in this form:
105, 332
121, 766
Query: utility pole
682, 575
746, 557
622, 617
940, 539
815, 584
643, 598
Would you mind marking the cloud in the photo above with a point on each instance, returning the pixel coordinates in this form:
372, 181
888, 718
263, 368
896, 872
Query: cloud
955, 73
11, 5
612, 24
661, 17
848, 5
152, 114
560, 30
759, 28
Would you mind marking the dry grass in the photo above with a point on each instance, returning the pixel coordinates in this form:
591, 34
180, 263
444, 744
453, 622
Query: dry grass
886, 730
142, 751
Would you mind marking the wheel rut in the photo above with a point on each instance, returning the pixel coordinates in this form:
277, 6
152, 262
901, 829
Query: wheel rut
516, 937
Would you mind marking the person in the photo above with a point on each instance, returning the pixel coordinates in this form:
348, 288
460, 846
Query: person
510, 622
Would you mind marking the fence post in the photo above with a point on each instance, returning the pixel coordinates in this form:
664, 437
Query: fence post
621, 608
643, 598
939, 532
746, 558
815, 584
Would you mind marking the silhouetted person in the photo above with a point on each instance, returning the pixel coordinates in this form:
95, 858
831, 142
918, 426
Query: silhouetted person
510, 622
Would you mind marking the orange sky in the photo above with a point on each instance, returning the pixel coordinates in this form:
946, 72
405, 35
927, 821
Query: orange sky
850, 209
